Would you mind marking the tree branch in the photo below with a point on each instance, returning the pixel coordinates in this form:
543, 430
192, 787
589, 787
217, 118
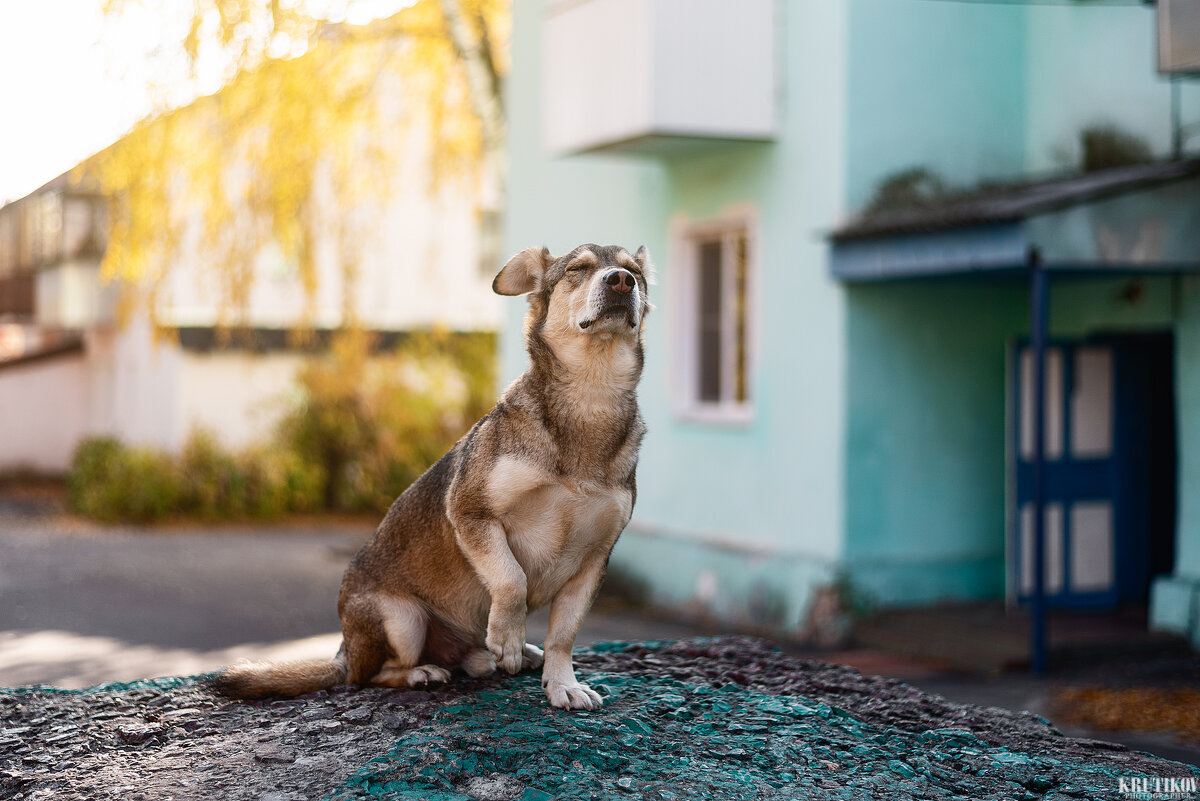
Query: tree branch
483, 86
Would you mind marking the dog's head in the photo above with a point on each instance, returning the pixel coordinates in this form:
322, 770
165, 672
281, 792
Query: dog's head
593, 291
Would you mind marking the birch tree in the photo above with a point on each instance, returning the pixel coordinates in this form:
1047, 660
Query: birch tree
294, 129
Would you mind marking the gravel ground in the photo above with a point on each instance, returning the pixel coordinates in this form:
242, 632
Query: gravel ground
700, 718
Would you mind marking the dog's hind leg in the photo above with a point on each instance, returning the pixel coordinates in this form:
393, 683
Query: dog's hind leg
406, 624
364, 643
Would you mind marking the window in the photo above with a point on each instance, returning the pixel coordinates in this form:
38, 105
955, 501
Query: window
715, 317
47, 228
9, 221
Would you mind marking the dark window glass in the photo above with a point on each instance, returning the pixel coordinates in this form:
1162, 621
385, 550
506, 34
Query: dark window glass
709, 351
740, 392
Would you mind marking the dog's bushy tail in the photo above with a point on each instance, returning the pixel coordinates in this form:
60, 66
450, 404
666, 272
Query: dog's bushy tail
254, 681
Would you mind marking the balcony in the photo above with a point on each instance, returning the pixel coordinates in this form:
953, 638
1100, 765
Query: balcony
652, 76
50, 250
16, 297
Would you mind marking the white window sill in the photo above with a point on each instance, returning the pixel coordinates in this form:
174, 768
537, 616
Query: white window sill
732, 414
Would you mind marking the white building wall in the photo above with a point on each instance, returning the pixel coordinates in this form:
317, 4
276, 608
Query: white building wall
126, 386
144, 389
237, 396
155, 393
41, 415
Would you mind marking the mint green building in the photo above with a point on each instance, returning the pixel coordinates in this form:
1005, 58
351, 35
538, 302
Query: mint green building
843, 199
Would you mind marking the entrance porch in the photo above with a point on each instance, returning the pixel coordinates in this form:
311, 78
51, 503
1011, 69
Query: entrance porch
960, 484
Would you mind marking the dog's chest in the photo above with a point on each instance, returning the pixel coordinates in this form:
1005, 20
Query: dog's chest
554, 523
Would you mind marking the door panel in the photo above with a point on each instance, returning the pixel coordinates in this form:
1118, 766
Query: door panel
1053, 434
1080, 474
1092, 404
1092, 546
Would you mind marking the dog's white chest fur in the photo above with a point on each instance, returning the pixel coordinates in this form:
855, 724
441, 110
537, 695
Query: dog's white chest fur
552, 524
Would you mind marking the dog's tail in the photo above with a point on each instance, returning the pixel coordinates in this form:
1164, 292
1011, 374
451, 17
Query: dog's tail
253, 681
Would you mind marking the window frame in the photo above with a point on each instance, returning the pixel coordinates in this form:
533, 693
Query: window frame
687, 238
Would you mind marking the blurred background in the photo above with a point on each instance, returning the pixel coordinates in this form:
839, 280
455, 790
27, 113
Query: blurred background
245, 269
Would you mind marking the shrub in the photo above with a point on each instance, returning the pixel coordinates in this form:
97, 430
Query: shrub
111, 482
215, 485
912, 188
364, 426
90, 485
374, 424
1107, 146
279, 481
148, 485
328, 424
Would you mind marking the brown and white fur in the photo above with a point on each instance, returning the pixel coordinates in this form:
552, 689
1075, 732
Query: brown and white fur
522, 512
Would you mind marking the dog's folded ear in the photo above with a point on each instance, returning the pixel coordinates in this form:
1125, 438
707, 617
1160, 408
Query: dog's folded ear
523, 273
642, 257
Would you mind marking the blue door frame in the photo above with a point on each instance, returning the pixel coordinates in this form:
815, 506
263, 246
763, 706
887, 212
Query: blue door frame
1111, 487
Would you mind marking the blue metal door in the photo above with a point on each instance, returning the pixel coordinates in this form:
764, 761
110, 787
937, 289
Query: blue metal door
1087, 528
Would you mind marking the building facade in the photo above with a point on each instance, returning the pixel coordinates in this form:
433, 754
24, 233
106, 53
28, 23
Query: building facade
816, 425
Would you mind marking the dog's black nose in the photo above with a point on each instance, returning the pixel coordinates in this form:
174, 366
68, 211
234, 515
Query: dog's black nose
619, 281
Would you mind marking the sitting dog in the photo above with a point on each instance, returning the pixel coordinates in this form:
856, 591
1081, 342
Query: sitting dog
522, 512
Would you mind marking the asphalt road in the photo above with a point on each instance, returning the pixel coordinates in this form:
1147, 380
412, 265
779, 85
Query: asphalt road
174, 588
82, 604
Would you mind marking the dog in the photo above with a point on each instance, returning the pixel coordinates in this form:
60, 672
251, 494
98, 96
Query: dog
523, 511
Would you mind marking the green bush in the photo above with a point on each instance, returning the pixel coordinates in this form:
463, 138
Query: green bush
364, 426
148, 484
375, 423
1106, 146
111, 482
91, 486
216, 486
279, 481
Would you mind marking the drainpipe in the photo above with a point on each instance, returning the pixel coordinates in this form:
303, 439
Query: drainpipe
1039, 307
1176, 123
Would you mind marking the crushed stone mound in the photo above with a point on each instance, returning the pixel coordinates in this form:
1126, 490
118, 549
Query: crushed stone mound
699, 719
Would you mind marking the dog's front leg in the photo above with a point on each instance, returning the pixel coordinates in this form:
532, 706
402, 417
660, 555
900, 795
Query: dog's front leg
486, 548
566, 615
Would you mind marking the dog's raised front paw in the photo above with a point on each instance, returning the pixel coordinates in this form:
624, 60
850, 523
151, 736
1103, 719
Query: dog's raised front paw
507, 645
573, 696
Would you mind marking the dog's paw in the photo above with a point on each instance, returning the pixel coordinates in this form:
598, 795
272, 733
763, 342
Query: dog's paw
533, 658
479, 663
424, 675
507, 646
573, 696
420, 676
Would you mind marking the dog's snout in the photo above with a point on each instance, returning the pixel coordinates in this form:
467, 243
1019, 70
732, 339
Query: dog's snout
619, 281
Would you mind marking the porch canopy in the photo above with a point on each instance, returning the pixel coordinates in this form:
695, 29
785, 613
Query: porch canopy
1136, 220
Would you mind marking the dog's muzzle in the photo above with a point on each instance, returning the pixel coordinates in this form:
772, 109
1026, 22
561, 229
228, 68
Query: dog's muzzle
617, 298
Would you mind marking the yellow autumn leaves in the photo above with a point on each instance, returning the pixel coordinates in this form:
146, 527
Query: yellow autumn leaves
297, 152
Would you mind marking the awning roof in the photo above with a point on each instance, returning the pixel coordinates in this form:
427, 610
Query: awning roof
1142, 218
